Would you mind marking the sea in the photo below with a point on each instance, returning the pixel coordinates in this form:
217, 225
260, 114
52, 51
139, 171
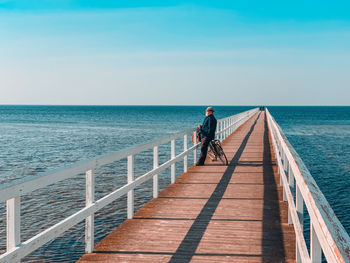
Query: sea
37, 139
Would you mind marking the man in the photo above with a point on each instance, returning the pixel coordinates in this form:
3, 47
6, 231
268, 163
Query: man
207, 133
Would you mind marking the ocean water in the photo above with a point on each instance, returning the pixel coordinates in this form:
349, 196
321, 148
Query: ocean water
35, 139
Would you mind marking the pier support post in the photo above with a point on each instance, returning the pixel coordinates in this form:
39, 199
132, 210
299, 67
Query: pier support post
130, 198
172, 169
185, 157
13, 215
155, 177
89, 221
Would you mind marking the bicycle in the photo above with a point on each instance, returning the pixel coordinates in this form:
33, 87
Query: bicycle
214, 149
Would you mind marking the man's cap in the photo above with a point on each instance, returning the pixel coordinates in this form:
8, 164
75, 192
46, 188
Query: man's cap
210, 109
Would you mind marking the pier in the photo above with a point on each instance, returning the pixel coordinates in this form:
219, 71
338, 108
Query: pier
251, 210
212, 213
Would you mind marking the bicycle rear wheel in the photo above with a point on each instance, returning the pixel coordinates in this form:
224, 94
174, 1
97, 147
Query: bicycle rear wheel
211, 152
220, 152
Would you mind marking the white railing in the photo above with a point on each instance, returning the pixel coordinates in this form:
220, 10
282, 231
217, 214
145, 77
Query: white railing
11, 193
327, 234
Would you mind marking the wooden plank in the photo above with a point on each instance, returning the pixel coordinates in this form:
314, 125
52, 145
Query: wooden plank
229, 213
171, 208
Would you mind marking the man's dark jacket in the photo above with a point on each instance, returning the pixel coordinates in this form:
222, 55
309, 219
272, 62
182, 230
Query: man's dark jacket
209, 127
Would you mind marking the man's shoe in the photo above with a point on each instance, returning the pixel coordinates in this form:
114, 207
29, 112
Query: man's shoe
199, 164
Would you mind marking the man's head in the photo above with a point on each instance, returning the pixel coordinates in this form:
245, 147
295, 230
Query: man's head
209, 111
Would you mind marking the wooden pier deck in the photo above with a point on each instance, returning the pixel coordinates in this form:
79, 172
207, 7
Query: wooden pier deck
213, 213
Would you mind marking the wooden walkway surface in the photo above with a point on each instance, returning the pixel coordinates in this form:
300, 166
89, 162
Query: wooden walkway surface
213, 213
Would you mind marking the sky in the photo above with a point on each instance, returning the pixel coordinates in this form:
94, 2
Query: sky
84, 52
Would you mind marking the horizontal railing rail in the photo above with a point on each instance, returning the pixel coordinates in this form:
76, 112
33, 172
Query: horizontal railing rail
12, 192
327, 234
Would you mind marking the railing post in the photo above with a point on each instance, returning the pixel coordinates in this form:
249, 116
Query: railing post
277, 155
155, 177
224, 129
290, 176
284, 171
300, 211
220, 129
300, 206
89, 221
290, 220
229, 126
185, 157
13, 217
226, 132
291, 185
280, 166
315, 247
284, 194
285, 162
172, 169
298, 257
130, 198
195, 149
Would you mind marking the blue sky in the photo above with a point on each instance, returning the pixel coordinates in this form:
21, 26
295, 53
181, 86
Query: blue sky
175, 52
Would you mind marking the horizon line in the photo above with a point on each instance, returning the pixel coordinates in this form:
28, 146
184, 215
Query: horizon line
176, 105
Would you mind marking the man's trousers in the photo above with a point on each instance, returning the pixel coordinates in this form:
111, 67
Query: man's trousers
204, 149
